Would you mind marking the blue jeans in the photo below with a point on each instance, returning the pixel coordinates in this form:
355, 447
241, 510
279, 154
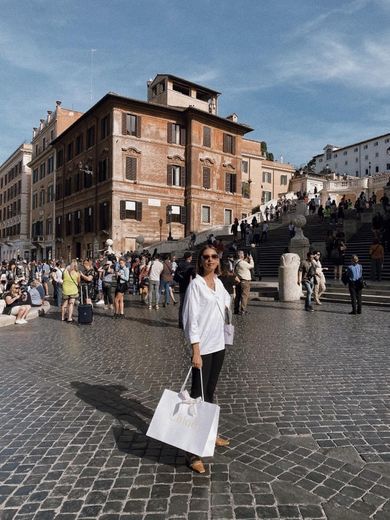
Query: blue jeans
164, 286
309, 291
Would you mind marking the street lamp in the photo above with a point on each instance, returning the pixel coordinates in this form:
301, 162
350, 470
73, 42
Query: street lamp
160, 222
170, 222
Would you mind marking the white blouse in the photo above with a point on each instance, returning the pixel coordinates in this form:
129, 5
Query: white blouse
203, 314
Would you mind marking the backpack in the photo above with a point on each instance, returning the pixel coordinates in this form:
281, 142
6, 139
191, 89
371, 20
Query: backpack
345, 277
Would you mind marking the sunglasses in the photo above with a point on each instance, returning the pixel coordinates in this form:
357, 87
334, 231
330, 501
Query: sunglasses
209, 257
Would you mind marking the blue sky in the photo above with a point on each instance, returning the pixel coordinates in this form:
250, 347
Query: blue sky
302, 74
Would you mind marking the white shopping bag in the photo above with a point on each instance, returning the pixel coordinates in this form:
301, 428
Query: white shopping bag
186, 423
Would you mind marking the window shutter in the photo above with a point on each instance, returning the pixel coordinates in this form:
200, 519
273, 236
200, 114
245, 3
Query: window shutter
183, 215
182, 176
131, 168
138, 210
124, 124
169, 131
182, 135
225, 143
206, 136
233, 181
227, 181
233, 145
122, 212
167, 213
169, 175
139, 120
206, 178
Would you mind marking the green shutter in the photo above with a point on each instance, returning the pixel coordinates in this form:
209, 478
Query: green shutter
169, 175
131, 168
138, 210
138, 129
122, 211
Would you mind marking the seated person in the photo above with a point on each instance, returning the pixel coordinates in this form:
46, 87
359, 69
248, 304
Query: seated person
15, 304
35, 297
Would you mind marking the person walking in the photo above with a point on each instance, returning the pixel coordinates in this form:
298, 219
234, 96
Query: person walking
355, 284
204, 310
155, 269
306, 275
166, 280
122, 281
242, 270
184, 273
377, 255
319, 280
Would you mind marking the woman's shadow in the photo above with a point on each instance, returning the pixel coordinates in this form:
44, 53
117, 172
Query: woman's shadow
133, 418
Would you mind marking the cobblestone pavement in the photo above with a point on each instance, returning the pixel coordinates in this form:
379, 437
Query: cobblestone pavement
304, 397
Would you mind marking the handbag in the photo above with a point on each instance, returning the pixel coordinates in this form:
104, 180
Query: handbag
228, 327
186, 423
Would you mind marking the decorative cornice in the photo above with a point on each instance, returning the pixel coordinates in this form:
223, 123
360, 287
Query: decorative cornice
229, 165
176, 158
131, 149
207, 160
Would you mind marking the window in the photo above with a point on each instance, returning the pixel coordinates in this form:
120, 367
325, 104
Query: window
35, 175
90, 136
176, 134
42, 170
69, 151
376, 169
103, 170
365, 146
88, 177
206, 181
77, 181
50, 193
267, 196
283, 180
244, 166
345, 152
387, 140
35, 200
376, 154
104, 127
357, 159
176, 214
60, 158
267, 177
206, 214
320, 160
366, 157
44, 143
246, 190
68, 224
207, 136
104, 215
388, 166
335, 155
88, 220
131, 125
79, 144
130, 209
131, 168
68, 186
230, 182
356, 149
228, 217
183, 89
345, 163
49, 226
77, 222
356, 173
50, 164
229, 144
376, 143
41, 198
176, 175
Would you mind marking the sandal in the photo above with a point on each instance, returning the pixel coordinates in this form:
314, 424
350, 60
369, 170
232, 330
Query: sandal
221, 443
196, 464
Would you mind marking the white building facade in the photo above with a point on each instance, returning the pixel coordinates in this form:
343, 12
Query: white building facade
363, 159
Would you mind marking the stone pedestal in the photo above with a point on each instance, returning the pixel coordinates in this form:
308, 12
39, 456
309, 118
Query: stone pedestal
289, 290
299, 244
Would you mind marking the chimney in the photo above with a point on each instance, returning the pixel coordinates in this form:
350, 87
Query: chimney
58, 103
233, 117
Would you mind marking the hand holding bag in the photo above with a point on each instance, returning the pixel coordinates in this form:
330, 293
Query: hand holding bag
228, 326
186, 423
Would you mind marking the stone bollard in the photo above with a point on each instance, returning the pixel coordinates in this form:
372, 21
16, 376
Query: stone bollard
289, 290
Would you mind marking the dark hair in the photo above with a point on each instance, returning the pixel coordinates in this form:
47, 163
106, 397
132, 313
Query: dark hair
199, 264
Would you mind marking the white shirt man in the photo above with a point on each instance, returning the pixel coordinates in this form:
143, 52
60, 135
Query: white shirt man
155, 269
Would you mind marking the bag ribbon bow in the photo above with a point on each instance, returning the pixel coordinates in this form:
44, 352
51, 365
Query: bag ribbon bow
190, 401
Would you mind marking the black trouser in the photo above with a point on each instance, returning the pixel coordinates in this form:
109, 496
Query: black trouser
355, 290
182, 296
212, 365
107, 292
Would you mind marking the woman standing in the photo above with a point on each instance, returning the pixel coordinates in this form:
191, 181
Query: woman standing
204, 310
107, 271
70, 290
121, 287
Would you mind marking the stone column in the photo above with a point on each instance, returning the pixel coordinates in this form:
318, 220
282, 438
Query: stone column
289, 290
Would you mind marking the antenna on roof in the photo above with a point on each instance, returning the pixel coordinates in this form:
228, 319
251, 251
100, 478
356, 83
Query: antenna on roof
91, 90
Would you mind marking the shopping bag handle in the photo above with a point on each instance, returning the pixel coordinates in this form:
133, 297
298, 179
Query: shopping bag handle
186, 379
